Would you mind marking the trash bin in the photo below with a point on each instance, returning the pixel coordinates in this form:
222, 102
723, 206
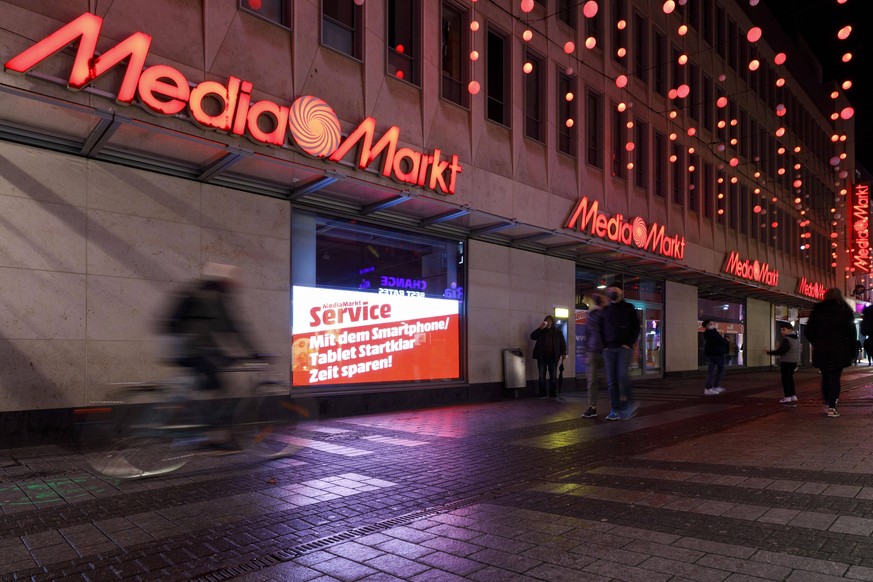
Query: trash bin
514, 376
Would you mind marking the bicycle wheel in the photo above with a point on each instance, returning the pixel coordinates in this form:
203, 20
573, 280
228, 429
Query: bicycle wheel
146, 439
266, 425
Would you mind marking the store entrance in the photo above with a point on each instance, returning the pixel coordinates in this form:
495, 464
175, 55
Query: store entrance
648, 353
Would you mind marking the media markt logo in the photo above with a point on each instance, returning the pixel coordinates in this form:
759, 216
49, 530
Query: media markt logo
812, 289
228, 107
755, 271
625, 231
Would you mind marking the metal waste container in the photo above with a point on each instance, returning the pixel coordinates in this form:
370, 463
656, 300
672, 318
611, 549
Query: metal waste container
514, 376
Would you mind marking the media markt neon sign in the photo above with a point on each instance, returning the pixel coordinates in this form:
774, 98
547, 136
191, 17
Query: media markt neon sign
312, 123
811, 289
755, 271
859, 229
629, 232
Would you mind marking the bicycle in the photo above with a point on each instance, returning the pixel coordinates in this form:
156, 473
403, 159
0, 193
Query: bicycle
147, 429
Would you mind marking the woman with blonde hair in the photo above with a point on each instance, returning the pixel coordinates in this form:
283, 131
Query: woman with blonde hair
831, 332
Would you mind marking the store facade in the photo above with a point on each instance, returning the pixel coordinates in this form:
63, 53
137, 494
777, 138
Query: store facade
393, 240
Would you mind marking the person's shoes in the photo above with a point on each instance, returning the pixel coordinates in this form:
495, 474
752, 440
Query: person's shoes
719, 389
788, 400
711, 392
630, 412
613, 415
832, 413
590, 413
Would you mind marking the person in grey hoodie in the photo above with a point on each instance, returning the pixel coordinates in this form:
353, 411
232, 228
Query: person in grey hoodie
789, 356
593, 345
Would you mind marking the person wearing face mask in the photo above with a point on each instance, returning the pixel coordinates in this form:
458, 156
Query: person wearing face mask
619, 330
549, 348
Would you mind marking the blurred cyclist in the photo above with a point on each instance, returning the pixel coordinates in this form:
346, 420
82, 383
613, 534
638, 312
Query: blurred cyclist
200, 323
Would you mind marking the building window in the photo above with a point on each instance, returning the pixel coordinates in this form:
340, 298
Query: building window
641, 149
594, 128
415, 280
694, 86
708, 103
341, 26
708, 191
594, 26
454, 54
276, 11
659, 159
733, 206
694, 183
678, 70
708, 7
619, 35
660, 56
619, 166
744, 210
566, 111
404, 22
720, 31
534, 105
678, 175
720, 187
497, 77
566, 13
641, 48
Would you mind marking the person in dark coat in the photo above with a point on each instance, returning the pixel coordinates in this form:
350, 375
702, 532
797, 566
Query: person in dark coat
831, 332
715, 346
550, 347
619, 330
868, 350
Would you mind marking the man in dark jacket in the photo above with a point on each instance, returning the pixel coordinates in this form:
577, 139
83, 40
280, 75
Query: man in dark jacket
619, 330
714, 348
550, 347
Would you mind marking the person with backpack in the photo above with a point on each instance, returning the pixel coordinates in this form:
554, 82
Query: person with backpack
830, 330
789, 356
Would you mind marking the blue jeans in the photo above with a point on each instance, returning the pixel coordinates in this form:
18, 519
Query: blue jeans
552, 367
714, 371
616, 362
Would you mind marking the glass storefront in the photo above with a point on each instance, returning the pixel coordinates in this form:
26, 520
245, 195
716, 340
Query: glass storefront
373, 305
647, 295
730, 319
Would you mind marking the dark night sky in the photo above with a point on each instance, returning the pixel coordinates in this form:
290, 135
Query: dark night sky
816, 22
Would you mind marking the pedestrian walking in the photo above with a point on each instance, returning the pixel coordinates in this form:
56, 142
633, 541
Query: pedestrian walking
868, 350
831, 332
715, 347
789, 356
593, 345
550, 347
619, 330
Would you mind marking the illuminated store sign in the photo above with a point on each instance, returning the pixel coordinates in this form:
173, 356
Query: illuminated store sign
755, 271
814, 290
633, 231
859, 233
353, 337
164, 90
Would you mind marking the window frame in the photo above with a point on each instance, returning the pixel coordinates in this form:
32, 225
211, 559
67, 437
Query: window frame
492, 32
594, 130
533, 86
413, 59
357, 38
464, 51
567, 110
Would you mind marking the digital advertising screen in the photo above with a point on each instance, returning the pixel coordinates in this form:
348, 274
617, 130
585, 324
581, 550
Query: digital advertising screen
353, 337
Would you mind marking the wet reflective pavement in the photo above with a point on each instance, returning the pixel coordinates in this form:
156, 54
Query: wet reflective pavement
733, 487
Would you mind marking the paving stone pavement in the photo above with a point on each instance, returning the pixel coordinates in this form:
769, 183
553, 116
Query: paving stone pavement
732, 488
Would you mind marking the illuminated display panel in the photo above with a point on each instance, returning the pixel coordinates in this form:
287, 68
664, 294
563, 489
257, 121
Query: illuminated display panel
373, 305
352, 337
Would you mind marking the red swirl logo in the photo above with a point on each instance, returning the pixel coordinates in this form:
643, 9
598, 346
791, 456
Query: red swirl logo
641, 232
314, 126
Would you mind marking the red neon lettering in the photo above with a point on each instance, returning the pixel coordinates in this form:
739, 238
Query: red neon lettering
164, 90
86, 68
332, 316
